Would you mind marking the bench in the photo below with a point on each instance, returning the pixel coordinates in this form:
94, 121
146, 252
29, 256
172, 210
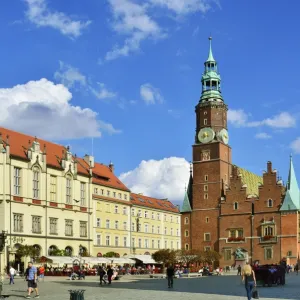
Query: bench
157, 275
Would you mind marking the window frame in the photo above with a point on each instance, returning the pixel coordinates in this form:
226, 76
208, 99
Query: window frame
17, 181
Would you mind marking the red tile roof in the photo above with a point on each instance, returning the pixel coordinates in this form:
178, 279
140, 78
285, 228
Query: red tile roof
19, 144
150, 202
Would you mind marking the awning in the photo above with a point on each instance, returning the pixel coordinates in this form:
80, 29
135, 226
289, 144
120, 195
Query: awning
146, 259
121, 260
97, 260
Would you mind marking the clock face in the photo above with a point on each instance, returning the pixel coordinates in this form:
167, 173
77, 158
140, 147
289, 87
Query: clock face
206, 135
223, 136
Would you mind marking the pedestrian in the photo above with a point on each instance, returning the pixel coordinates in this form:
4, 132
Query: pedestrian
170, 275
239, 270
31, 277
248, 276
12, 273
296, 268
42, 272
102, 273
110, 273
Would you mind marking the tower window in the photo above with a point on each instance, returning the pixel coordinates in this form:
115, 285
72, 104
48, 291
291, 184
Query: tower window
205, 121
186, 220
207, 219
206, 188
205, 112
205, 196
270, 203
235, 206
205, 177
186, 233
186, 246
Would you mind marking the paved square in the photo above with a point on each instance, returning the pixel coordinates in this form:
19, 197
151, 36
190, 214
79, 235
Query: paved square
143, 288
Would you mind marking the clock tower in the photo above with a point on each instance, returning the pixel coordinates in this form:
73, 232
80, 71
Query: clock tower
211, 159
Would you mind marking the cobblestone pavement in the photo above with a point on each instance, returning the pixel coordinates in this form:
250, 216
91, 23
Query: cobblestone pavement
143, 288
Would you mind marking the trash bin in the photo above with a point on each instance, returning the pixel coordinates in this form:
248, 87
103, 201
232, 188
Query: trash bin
76, 294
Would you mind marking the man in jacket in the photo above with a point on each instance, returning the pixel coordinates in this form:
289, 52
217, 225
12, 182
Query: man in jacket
102, 274
170, 275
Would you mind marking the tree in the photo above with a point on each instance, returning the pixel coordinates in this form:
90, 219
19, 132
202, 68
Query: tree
211, 256
58, 252
191, 256
111, 254
27, 251
165, 256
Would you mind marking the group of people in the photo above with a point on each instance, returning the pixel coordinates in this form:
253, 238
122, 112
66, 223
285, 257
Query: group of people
102, 272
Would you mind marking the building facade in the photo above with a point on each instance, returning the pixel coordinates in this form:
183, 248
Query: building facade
226, 208
53, 200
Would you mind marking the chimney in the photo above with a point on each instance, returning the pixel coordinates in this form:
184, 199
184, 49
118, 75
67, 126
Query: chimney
111, 167
90, 160
269, 167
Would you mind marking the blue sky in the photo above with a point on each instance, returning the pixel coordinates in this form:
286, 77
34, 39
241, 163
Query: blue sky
131, 73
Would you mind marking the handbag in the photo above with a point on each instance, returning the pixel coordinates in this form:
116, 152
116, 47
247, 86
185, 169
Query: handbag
255, 294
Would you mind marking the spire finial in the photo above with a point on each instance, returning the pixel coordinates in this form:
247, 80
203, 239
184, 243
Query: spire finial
210, 55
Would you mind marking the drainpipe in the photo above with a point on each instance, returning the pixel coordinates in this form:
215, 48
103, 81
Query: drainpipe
46, 212
251, 245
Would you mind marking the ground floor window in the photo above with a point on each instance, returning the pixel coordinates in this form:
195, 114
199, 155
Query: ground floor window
227, 254
268, 253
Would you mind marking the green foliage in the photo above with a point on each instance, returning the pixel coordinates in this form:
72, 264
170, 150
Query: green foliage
27, 251
58, 252
111, 254
165, 256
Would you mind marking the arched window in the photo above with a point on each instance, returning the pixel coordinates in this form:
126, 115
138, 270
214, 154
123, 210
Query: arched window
69, 189
69, 251
36, 182
270, 203
37, 249
52, 250
186, 233
186, 220
186, 246
235, 206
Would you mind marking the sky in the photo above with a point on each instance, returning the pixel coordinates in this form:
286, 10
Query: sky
120, 79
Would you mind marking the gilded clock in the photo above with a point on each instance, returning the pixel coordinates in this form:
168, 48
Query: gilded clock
223, 136
206, 135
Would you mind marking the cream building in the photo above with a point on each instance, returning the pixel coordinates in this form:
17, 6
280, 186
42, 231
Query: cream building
53, 200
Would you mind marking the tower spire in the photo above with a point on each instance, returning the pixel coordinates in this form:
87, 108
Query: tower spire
210, 54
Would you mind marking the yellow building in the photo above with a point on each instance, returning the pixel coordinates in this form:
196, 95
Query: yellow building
53, 200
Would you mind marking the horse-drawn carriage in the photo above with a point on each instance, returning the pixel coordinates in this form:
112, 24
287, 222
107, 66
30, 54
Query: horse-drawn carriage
270, 274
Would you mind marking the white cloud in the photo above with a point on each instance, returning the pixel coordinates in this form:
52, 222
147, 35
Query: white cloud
263, 136
239, 118
196, 31
164, 178
150, 94
295, 145
183, 7
132, 20
69, 76
39, 14
44, 109
103, 92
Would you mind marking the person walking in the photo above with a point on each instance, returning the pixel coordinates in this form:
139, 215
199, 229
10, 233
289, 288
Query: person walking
110, 273
239, 270
42, 272
31, 277
12, 273
170, 275
296, 269
248, 276
102, 274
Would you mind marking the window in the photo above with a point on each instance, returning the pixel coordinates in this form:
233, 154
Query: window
108, 193
205, 121
107, 225
125, 225
132, 226
205, 187
289, 253
125, 241
165, 230
124, 210
107, 240
140, 243
132, 212
227, 254
187, 247
139, 213
68, 190
116, 224
146, 243
83, 229
98, 222
96, 191
53, 184
116, 209
146, 228
125, 196
133, 242
152, 216
36, 183
207, 237
158, 229
268, 253
235, 206
158, 216
171, 231
120, 196
177, 221
270, 203
114, 194
98, 240
207, 248
102, 192
240, 233
186, 220
17, 181
146, 214
166, 244
82, 194
205, 177
53, 226
269, 230
177, 232
171, 219
165, 217
205, 196
186, 233
158, 244
117, 241
107, 208
18, 223
68, 227
207, 219
36, 224
153, 230
172, 245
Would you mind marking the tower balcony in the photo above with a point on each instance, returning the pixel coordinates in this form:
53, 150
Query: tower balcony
239, 239
268, 239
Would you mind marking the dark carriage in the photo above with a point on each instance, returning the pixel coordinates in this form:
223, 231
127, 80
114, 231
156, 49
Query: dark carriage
270, 274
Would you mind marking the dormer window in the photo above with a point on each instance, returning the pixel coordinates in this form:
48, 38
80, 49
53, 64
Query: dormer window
270, 203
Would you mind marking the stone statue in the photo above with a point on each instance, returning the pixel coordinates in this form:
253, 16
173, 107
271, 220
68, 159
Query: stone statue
239, 254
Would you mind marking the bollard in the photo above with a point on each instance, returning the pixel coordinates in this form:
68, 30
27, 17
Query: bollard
76, 294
